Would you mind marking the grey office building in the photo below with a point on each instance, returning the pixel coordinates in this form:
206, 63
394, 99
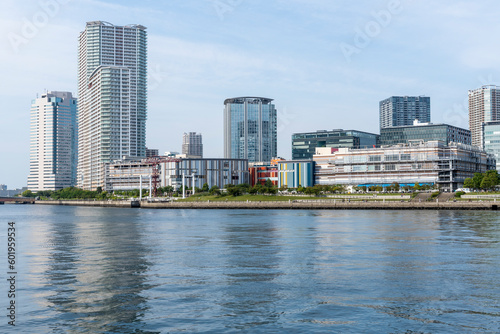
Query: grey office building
250, 129
304, 144
192, 144
425, 132
403, 110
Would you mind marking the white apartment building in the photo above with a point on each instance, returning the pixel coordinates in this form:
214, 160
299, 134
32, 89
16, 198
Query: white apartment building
112, 74
484, 107
53, 142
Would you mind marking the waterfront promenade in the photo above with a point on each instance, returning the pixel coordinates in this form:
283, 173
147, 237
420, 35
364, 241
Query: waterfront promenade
284, 205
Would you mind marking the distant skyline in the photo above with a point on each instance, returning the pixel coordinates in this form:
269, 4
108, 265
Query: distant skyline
326, 64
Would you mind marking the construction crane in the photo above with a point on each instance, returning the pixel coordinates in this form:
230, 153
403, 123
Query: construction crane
155, 170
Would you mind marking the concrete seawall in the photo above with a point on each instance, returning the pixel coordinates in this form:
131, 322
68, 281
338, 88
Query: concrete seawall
311, 205
112, 204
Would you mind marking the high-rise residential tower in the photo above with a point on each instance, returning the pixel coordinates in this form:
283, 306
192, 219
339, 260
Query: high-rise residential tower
54, 142
484, 107
192, 144
403, 110
250, 129
112, 74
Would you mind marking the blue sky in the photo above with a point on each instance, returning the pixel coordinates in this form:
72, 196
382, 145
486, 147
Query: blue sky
327, 64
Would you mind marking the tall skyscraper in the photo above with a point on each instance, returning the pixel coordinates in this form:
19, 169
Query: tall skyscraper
403, 110
250, 129
54, 142
112, 74
484, 107
192, 144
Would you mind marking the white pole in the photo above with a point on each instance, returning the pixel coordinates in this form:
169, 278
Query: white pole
183, 187
192, 175
140, 188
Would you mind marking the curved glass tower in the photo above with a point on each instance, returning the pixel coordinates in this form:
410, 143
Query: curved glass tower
250, 129
112, 74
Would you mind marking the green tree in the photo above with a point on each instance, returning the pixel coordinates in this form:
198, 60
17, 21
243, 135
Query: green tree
490, 180
417, 186
205, 188
214, 191
300, 189
476, 180
99, 190
233, 190
468, 183
312, 191
27, 193
269, 183
244, 187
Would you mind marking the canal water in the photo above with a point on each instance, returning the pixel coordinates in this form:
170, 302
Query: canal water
109, 270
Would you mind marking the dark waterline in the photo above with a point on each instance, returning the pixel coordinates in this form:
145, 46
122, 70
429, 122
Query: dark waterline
105, 270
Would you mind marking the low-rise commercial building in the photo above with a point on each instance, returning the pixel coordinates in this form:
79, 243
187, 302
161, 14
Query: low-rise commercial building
126, 174
260, 173
214, 172
431, 162
296, 173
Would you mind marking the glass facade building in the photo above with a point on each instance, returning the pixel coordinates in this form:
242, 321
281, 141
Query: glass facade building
403, 110
250, 129
112, 74
425, 132
53, 142
491, 135
304, 144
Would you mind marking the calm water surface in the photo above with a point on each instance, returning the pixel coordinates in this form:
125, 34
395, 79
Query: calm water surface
106, 270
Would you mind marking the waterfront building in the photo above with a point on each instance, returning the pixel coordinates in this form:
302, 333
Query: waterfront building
3, 187
53, 142
433, 162
112, 77
491, 140
152, 152
125, 174
484, 107
214, 172
296, 173
403, 110
250, 129
192, 145
424, 131
304, 144
260, 172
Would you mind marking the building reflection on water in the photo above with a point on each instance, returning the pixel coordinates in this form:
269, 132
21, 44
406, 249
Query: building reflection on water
95, 268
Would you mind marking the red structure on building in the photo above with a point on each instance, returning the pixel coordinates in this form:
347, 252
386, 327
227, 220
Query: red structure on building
260, 173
